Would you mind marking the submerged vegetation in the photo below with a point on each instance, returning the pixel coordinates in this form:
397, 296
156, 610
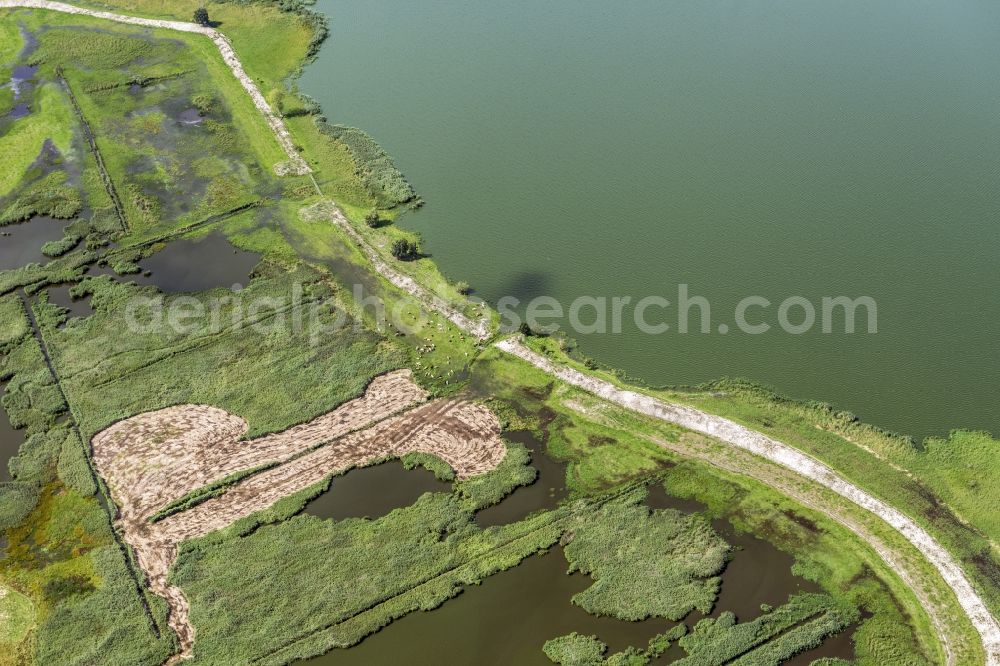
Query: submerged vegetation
426, 553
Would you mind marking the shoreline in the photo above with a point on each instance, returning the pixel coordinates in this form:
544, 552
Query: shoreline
715, 426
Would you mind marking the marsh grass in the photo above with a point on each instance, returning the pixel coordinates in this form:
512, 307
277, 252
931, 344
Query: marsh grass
50, 195
273, 377
134, 88
21, 142
56, 531
373, 166
426, 552
60, 247
770, 639
92, 49
888, 465
645, 563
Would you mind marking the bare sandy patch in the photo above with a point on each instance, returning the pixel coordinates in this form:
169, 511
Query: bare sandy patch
157, 458
154, 458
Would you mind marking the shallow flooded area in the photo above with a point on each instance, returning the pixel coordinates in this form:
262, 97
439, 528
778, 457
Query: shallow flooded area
508, 618
198, 264
22, 243
374, 491
545, 493
78, 307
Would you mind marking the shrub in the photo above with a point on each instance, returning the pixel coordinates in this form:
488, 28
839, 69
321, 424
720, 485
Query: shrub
405, 250
372, 219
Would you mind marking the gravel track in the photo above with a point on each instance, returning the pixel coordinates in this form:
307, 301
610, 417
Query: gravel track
714, 426
791, 458
328, 210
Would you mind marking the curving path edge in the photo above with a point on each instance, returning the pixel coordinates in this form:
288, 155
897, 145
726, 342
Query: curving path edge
732, 433
687, 417
295, 164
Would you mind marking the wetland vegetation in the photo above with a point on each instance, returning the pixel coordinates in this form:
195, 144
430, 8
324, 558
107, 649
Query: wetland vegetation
150, 177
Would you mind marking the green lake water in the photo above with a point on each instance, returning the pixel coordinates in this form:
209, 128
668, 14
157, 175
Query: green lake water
760, 147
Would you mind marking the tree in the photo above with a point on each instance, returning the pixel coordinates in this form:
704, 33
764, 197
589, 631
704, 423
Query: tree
404, 250
201, 17
372, 219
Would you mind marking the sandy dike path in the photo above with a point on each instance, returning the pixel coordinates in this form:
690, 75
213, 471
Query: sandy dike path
295, 164
758, 444
713, 426
327, 210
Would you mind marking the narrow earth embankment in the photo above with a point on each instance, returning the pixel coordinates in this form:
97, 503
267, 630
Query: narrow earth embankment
761, 445
479, 328
295, 163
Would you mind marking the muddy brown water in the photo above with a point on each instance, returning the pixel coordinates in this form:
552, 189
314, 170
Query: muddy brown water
505, 620
374, 491
22, 243
508, 618
545, 493
198, 264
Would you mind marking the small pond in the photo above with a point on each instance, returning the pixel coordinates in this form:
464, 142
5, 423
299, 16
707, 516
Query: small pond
374, 491
198, 264
545, 493
78, 307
